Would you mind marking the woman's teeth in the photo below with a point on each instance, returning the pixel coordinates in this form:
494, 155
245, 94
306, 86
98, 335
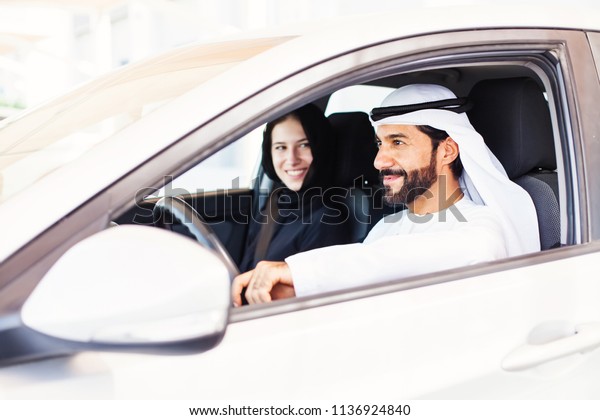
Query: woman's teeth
295, 172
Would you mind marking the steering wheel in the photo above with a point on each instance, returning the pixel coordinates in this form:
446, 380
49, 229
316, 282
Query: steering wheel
170, 210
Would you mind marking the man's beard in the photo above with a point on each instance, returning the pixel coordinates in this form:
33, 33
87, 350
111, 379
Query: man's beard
416, 183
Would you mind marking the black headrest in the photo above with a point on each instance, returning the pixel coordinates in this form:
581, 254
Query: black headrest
512, 116
356, 148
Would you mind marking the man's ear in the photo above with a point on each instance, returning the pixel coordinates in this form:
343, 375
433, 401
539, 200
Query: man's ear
450, 149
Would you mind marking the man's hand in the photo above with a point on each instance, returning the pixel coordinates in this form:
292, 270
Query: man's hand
260, 282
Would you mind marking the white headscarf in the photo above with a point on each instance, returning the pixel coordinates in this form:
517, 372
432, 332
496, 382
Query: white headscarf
484, 180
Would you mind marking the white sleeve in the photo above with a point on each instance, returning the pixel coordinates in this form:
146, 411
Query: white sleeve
395, 257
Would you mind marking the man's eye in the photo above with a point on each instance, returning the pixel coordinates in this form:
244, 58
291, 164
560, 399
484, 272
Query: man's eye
398, 142
378, 143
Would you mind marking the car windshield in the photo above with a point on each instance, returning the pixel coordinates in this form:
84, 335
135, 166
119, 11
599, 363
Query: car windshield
39, 141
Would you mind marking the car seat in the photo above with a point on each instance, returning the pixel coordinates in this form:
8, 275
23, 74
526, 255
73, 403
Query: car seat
355, 173
513, 117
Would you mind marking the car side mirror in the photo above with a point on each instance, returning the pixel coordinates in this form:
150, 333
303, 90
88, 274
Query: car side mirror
133, 288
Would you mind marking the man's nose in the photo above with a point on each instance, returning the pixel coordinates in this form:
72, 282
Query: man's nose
383, 160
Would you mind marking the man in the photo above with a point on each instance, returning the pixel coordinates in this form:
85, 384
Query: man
461, 207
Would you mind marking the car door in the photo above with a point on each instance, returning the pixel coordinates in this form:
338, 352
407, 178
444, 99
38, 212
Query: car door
461, 334
518, 328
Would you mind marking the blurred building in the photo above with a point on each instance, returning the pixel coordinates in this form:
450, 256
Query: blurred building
48, 46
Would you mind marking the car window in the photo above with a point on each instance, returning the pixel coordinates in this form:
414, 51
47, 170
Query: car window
490, 76
234, 166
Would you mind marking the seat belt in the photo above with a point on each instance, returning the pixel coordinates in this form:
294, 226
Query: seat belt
266, 232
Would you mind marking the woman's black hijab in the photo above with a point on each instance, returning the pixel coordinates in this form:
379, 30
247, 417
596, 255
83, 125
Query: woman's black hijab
320, 136
319, 178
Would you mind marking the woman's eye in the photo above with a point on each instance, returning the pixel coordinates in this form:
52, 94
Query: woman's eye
304, 145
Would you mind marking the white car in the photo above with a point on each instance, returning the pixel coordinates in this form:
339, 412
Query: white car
96, 303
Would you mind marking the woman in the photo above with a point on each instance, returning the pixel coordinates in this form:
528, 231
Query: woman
298, 155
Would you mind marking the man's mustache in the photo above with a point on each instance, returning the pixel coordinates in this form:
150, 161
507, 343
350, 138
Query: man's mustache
387, 172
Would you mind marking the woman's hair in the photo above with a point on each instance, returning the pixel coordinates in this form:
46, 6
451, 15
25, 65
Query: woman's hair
320, 136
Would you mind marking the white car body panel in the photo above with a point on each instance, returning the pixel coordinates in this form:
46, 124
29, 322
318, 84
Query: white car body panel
446, 341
